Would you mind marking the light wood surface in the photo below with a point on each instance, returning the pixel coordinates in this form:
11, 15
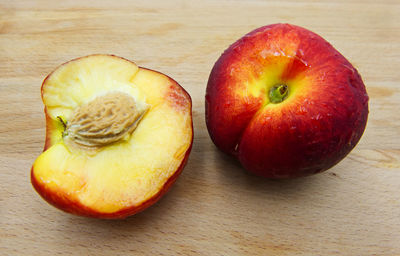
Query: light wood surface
215, 208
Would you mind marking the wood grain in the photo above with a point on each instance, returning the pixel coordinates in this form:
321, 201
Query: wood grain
215, 208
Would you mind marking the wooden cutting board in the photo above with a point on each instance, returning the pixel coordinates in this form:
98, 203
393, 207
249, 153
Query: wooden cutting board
215, 208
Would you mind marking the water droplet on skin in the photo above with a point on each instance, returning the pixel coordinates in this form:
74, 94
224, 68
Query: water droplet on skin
322, 78
227, 104
264, 53
318, 116
301, 60
302, 110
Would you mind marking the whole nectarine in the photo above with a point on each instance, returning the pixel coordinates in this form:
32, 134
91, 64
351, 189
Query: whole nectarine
285, 103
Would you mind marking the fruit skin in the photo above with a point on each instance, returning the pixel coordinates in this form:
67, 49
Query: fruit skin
65, 203
319, 123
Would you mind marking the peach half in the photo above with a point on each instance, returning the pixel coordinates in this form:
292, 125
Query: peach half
117, 137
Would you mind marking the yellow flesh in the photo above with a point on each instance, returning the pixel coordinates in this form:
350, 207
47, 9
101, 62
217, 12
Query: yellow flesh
128, 172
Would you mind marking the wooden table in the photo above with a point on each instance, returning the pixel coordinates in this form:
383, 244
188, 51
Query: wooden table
215, 208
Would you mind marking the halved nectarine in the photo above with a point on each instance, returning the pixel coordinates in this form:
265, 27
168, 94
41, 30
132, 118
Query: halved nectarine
117, 137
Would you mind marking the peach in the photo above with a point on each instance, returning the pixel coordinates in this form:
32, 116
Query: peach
285, 103
117, 137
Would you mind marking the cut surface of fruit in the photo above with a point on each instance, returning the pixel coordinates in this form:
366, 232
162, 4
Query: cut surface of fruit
117, 136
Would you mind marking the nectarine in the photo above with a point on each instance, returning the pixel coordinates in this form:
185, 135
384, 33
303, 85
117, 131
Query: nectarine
285, 103
117, 137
